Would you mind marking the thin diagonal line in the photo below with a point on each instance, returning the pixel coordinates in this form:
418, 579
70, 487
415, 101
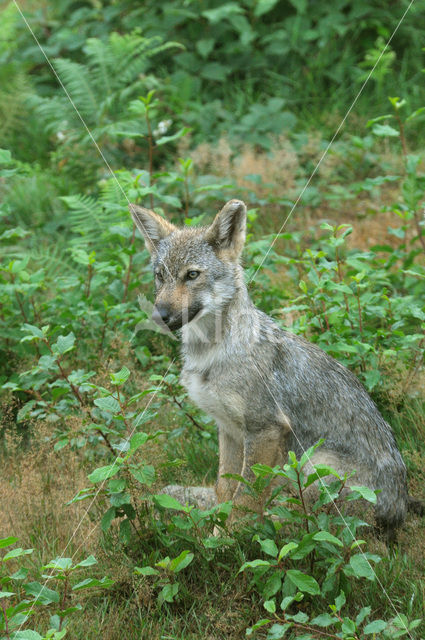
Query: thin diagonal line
384, 591
330, 144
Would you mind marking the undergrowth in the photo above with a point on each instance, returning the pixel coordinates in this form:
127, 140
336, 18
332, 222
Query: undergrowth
94, 422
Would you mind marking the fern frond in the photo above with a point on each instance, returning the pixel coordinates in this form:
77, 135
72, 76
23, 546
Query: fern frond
85, 214
12, 102
91, 219
80, 87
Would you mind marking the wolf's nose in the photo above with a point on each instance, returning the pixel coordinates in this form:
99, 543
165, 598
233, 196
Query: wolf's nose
161, 314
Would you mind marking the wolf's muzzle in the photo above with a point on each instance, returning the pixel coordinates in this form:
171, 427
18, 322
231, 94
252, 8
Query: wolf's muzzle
165, 317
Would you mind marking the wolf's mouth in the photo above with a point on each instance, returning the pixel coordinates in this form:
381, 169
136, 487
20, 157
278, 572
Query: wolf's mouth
174, 322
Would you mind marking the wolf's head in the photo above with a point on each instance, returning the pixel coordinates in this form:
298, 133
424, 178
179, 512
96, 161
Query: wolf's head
196, 269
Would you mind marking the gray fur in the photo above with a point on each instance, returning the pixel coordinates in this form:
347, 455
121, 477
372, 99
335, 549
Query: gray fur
269, 390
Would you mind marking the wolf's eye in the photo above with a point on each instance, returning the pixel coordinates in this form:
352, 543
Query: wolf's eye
192, 275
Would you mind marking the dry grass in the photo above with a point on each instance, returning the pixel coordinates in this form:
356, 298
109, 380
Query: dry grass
36, 484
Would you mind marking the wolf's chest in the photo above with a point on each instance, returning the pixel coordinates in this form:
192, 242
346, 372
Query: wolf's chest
220, 402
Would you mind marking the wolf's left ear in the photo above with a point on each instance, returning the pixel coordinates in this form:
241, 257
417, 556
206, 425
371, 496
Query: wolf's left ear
152, 227
228, 230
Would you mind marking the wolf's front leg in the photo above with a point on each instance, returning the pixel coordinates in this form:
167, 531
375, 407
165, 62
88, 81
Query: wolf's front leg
261, 446
231, 452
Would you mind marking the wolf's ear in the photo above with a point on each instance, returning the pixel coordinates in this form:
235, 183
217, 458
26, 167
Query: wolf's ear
228, 229
152, 227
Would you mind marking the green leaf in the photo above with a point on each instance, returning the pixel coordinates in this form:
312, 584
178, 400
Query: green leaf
41, 593
268, 546
6, 594
176, 136
181, 562
34, 331
146, 571
64, 344
144, 475
348, 626
168, 593
365, 493
88, 562
103, 473
286, 549
205, 46
363, 613
375, 627
168, 502
5, 156
222, 12
321, 470
277, 631
385, 130
6, 542
371, 378
215, 71
257, 625
340, 601
273, 585
108, 404
28, 634
362, 567
253, 564
325, 536
138, 440
107, 519
61, 564
104, 583
120, 377
303, 582
324, 620
270, 606
17, 553
264, 6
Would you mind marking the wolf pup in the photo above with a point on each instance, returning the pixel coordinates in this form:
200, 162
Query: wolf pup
269, 390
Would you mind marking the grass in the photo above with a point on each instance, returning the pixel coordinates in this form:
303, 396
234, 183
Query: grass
215, 601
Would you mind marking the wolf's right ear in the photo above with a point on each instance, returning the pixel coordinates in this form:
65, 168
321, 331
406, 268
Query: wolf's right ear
152, 227
228, 229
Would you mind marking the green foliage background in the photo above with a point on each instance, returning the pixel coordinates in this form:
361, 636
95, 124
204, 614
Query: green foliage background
183, 105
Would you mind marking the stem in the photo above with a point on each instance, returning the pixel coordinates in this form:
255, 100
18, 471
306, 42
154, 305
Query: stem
37, 315
363, 367
89, 277
102, 337
340, 278
64, 599
402, 136
77, 394
180, 405
107, 441
6, 621
302, 501
322, 292
308, 628
359, 310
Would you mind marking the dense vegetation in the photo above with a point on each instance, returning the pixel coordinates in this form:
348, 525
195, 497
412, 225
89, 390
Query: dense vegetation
181, 106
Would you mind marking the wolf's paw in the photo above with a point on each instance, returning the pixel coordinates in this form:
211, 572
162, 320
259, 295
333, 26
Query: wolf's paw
201, 497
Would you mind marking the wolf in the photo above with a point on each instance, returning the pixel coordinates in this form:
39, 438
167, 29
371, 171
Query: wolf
269, 390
